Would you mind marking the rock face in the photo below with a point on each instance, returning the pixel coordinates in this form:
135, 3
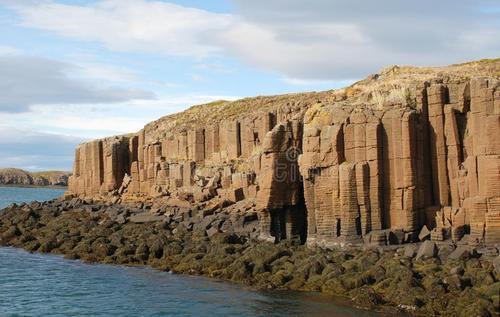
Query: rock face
14, 176
373, 162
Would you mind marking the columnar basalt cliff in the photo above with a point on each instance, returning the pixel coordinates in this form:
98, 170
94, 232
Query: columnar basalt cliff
374, 162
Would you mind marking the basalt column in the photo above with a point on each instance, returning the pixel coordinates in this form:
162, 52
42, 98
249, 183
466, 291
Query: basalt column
116, 163
436, 101
484, 115
468, 202
280, 195
100, 166
88, 169
341, 166
400, 177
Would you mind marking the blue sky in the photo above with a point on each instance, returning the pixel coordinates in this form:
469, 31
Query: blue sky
75, 70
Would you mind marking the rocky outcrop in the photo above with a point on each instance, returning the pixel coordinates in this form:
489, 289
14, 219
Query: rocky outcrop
14, 176
372, 163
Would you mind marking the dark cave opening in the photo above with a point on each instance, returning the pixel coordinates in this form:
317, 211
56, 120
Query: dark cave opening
290, 222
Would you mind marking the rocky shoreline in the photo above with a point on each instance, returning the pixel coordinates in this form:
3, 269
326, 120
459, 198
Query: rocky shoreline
428, 278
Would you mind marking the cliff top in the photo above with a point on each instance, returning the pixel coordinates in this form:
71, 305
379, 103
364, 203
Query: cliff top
13, 171
17, 171
50, 173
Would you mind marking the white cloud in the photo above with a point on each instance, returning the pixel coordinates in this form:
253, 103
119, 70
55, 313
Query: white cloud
314, 82
197, 77
9, 50
25, 148
100, 120
27, 80
104, 72
214, 67
318, 39
130, 25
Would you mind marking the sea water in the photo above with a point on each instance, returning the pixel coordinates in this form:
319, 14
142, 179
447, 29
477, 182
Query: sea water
9, 195
48, 285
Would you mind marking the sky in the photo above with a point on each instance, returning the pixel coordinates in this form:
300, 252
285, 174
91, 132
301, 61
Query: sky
71, 71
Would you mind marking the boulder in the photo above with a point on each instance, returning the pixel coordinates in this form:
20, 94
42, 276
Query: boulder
462, 252
145, 217
121, 219
444, 250
496, 264
212, 231
424, 234
427, 250
410, 250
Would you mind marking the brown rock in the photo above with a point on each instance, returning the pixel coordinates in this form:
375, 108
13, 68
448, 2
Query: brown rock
397, 154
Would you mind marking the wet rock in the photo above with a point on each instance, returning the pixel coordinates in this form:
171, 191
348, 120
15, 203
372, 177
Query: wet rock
47, 246
10, 233
156, 249
366, 297
101, 248
142, 251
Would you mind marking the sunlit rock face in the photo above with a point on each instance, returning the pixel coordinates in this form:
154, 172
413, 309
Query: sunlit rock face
371, 163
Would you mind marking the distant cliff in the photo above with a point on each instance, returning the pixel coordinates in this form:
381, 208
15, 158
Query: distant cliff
15, 176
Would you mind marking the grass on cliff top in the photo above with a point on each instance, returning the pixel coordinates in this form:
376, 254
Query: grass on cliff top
18, 171
220, 110
390, 85
480, 62
50, 173
13, 171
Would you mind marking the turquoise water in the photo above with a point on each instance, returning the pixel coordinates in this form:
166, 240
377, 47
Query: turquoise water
9, 195
48, 285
